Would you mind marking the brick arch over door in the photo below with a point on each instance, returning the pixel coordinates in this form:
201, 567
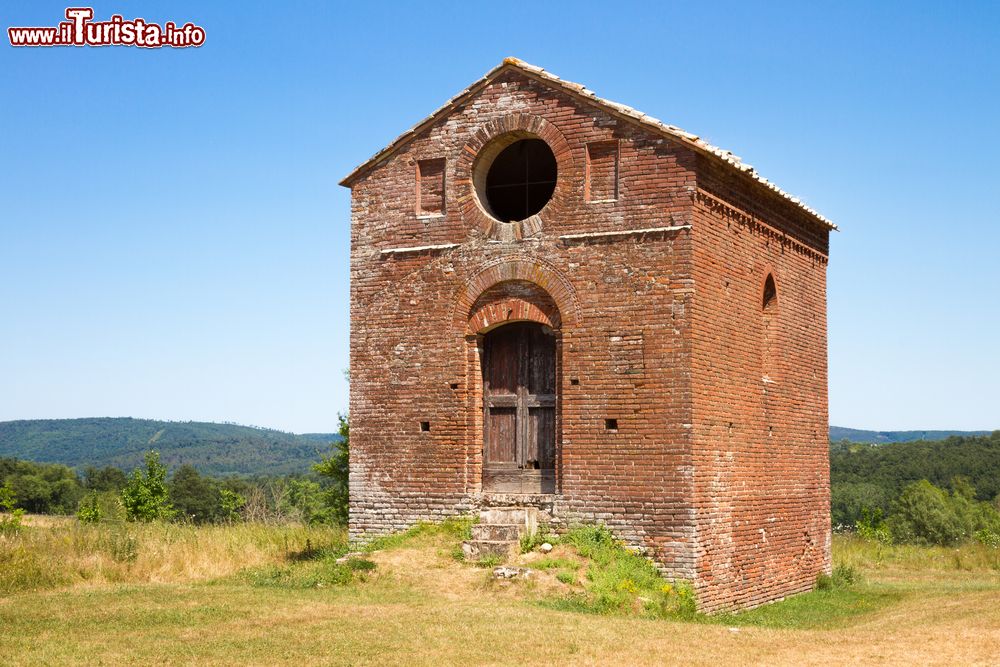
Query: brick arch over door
468, 302
513, 301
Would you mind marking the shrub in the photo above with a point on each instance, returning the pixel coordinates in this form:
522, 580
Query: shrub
145, 497
542, 535
872, 526
988, 537
89, 510
11, 522
194, 497
845, 575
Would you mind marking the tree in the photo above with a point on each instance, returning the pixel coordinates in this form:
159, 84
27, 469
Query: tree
306, 499
145, 497
230, 504
925, 514
32, 491
108, 478
336, 468
193, 496
849, 500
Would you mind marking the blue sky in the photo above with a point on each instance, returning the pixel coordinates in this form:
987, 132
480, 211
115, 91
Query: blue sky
174, 244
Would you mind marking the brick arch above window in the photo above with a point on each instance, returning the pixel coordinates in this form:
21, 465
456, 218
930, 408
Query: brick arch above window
484, 144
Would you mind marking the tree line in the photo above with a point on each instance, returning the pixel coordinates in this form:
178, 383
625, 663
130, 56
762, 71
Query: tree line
150, 493
939, 492
931, 492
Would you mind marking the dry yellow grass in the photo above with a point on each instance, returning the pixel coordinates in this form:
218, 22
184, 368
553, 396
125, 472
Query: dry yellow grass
422, 607
59, 551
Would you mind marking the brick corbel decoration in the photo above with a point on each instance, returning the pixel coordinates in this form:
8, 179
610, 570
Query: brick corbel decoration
486, 143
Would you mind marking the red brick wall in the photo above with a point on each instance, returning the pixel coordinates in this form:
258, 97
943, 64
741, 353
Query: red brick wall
630, 348
760, 447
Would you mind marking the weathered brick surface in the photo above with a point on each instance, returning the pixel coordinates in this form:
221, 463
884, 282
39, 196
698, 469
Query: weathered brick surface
720, 476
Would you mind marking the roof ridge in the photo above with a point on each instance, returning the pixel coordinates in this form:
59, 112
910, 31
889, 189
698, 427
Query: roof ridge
693, 140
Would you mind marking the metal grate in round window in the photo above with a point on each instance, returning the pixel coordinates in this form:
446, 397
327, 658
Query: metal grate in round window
521, 180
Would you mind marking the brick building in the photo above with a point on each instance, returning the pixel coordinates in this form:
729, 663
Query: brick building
562, 303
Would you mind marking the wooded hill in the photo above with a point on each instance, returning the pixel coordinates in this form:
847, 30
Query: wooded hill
872, 476
838, 433
214, 449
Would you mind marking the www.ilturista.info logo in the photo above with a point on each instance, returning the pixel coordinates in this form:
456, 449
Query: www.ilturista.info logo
80, 30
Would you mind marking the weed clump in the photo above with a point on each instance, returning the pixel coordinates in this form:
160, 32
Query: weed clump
843, 576
530, 542
326, 572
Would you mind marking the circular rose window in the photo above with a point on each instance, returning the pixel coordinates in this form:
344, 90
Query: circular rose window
519, 181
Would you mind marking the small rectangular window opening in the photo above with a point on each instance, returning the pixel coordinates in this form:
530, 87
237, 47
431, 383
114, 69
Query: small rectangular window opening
601, 183
574, 381
430, 187
610, 424
425, 426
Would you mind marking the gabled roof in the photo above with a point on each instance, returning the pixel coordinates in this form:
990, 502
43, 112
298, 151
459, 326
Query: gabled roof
576, 90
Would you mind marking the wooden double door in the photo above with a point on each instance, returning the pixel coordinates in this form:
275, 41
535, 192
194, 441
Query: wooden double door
519, 409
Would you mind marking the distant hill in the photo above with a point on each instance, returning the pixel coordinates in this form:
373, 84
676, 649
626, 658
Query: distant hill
215, 449
838, 433
231, 449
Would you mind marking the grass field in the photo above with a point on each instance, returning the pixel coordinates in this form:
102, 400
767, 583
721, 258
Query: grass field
275, 595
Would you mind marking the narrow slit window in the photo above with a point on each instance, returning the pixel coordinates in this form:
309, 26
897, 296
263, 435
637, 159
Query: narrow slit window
425, 426
769, 303
770, 292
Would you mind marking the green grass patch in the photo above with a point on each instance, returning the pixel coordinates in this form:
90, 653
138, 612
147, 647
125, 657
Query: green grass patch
553, 563
489, 561
531, 542
456, 528
618, 581
825, 608
319, 573
566, 576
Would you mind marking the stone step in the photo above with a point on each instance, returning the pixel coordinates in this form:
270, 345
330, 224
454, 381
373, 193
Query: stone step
476, 549
497, 532
525, 517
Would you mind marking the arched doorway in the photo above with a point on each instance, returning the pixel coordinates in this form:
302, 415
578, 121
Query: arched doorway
519, 409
